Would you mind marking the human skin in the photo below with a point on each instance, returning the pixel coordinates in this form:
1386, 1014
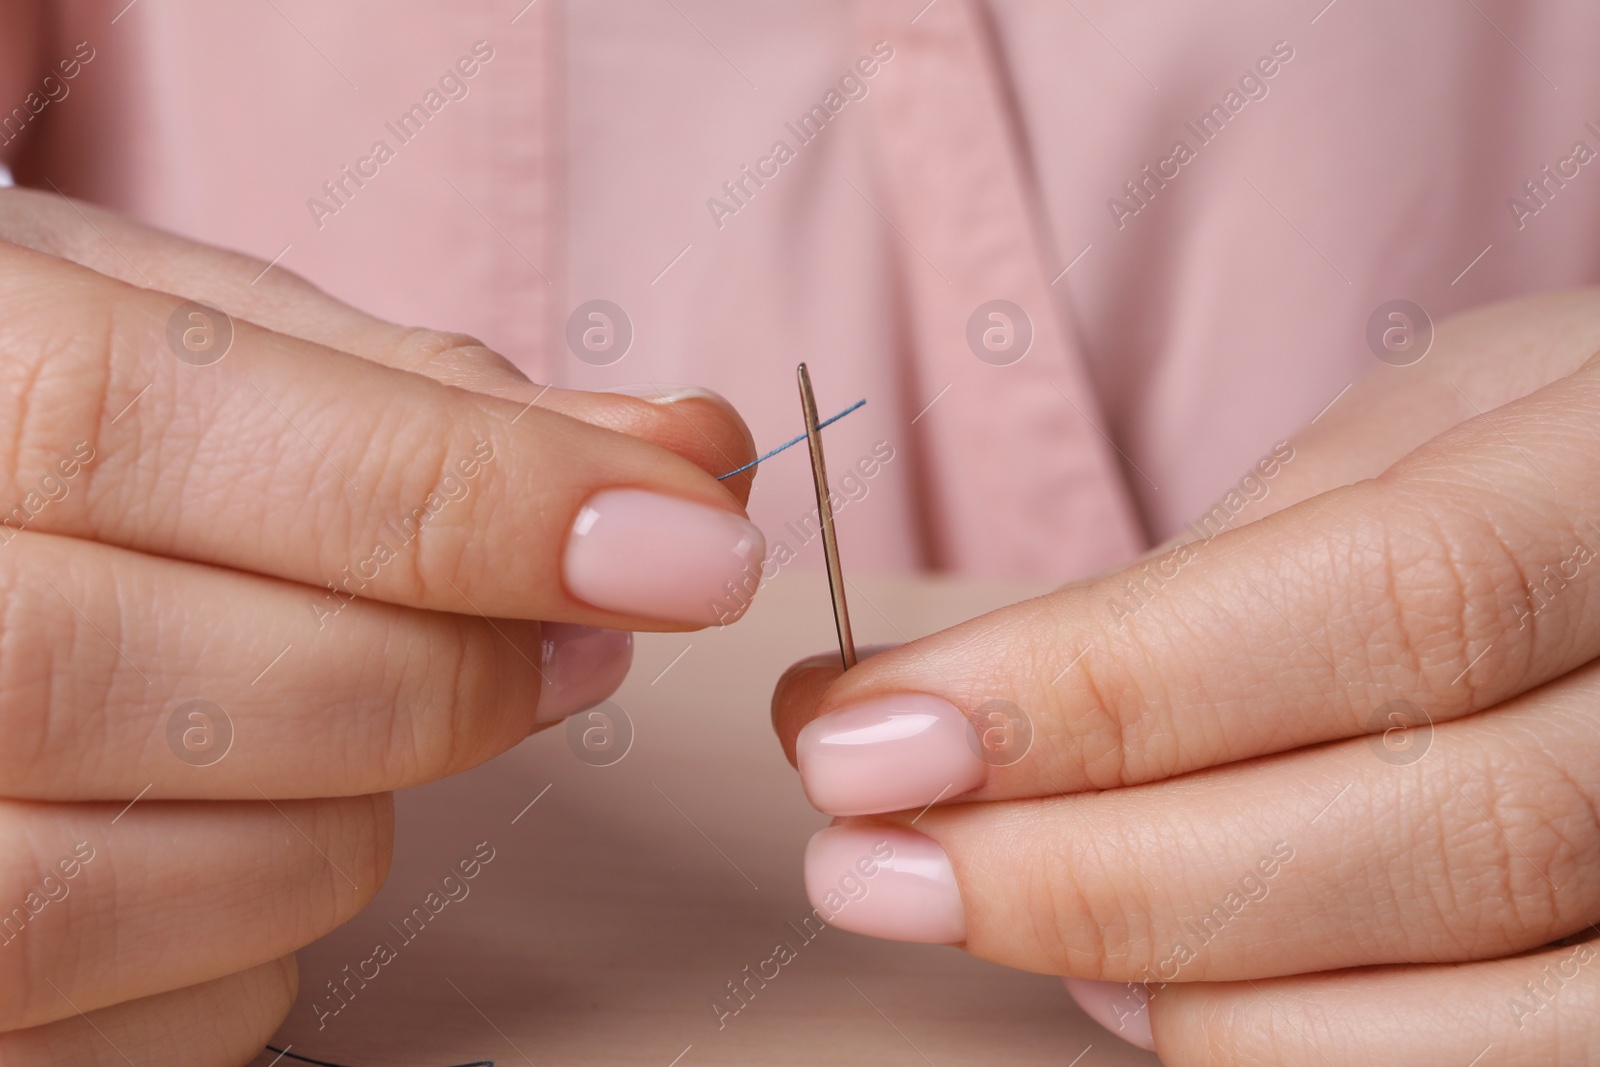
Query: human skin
179, 522
1251, 716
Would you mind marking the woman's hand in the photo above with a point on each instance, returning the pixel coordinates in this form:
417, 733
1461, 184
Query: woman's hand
259, 570
1322, 786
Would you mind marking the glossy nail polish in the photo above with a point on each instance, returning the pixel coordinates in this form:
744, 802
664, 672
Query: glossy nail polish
1121, 1007
580, 666
888, 753
641, 553
884, 881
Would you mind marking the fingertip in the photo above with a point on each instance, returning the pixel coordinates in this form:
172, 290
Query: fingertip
884, 881
891, 752
800, 688
1123, 1008
383, 840
795, 697
646, 554
667, 393
696, 423
710, 431
579, 667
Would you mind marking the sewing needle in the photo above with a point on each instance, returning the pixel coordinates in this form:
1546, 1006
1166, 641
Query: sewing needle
830, 541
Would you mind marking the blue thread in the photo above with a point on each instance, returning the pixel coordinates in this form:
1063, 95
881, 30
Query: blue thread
791, 444
282, 1052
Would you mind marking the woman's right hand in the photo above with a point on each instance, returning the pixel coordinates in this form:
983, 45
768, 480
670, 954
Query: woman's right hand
253, 585
1206, 772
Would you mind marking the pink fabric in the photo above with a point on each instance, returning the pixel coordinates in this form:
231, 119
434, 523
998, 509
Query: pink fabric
1185, 339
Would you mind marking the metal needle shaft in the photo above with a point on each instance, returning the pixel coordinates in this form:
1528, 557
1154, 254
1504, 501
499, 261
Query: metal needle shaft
830, 540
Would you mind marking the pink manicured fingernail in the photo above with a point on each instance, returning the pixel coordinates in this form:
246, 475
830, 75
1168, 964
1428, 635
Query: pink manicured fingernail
581, 666
885, 882
1121, 1007
888, 753
643, 553
666, 392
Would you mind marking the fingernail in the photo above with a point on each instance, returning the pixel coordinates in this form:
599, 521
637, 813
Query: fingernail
644, 553
1121, 1007
888, 753
666, 392
884, 882
580, 666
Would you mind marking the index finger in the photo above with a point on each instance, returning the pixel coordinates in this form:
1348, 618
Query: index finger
696, 424
287, 458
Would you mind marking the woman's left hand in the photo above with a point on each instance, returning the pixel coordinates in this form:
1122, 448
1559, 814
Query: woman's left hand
1319, 789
